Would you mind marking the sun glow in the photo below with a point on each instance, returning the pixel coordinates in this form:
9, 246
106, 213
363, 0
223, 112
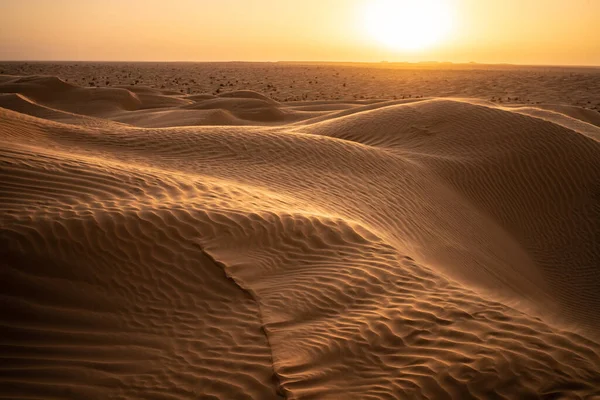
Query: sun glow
409, 24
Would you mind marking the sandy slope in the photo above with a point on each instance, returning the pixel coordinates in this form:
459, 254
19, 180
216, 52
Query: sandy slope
231, 246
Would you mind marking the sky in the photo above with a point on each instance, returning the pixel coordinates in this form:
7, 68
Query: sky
550, 32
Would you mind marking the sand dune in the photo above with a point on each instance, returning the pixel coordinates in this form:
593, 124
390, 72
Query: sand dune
232, 246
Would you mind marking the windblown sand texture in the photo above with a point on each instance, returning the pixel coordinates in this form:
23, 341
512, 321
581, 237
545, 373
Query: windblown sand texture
160, 245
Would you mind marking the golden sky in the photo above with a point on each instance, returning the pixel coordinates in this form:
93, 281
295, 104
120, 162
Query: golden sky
564, 32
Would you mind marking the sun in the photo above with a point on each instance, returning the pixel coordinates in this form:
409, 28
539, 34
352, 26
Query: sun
409, 24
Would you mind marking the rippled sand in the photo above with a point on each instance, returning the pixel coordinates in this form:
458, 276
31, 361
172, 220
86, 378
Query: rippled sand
232, 246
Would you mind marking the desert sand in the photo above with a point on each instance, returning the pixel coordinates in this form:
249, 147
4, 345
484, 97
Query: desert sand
401, 236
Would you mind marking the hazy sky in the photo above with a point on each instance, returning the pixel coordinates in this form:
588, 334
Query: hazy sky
514, 31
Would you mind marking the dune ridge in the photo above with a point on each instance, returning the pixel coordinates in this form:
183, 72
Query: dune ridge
168, 246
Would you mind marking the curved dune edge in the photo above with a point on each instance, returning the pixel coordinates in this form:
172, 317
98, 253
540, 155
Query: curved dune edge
424, 249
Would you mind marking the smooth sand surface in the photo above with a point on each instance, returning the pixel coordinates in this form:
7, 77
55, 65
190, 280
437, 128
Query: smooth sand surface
229, 245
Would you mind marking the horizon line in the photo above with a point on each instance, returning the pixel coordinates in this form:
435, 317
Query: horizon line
301, 62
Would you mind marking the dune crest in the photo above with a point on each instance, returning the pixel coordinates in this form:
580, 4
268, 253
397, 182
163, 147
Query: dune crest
232, 246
